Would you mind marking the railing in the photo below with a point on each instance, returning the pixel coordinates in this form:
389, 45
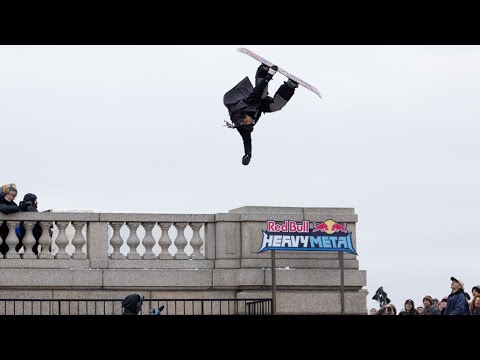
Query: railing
114, 306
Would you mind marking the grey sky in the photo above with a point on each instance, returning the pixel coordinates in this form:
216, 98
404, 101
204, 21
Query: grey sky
139, 128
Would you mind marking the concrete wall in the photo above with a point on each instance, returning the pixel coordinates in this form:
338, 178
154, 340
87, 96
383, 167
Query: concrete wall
100, 255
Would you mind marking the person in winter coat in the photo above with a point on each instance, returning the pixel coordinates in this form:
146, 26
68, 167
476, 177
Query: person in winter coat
246, 104
7, 206
132, 304
475, 305
429, 308
475, 290
387, 309
457, 303
29, 204
409, 308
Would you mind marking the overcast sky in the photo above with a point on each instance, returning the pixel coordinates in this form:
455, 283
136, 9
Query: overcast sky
139, 129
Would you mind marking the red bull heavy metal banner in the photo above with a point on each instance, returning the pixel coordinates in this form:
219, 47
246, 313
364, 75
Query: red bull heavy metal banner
307, 236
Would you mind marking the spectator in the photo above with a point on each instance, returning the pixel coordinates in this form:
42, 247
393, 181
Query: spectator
435, 302
409, 308
475, 291
29, 204
457, 303
373, 311
132, 304
389, 309
475, 305
430, 308
7, 206
420, 310
442, 305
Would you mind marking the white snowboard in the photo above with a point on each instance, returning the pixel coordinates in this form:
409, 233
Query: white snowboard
281, 71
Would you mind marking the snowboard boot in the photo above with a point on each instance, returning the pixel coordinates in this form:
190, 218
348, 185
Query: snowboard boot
271, 72
292, 84
262, 71
246, 158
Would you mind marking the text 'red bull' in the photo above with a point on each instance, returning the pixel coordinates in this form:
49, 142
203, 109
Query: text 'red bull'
288, 226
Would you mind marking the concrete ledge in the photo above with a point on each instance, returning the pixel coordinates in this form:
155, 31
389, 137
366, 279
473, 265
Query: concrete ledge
51, 278
341, 218
285, 254
250, 277
264, 217
51, 216
160, 264
144, 217
43, 264
299, 263
331, 211
157, 278
223, 278
316, 277
227, 264
227, 217
267, 209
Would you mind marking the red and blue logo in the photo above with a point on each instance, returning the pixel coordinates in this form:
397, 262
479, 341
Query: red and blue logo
307, 236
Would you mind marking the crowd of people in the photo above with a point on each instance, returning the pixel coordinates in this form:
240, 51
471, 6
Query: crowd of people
459, 302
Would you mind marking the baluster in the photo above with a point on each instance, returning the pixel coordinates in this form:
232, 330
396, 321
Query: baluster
116, 241
148, 241
12, 240
181, 241
165, 241
133, 241
196, 242
78, 241
62, 240
45, 241
29, 240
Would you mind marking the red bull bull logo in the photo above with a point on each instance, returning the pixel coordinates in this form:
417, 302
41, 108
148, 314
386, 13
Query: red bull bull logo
330, 227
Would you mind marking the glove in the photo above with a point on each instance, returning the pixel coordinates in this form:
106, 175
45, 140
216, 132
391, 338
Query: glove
24, 205
271, 72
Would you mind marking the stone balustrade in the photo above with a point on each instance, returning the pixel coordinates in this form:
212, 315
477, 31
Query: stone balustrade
95, 254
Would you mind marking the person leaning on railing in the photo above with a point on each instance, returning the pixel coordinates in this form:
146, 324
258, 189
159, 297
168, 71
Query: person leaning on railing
7, 206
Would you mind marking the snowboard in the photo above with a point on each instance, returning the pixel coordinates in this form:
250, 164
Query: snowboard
280, 70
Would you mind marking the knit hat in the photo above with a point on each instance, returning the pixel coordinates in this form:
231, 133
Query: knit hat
429, 298
410, 301
9, 187
476, 287
30, 197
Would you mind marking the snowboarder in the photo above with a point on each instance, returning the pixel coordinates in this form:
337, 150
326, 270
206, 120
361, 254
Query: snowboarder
246, 103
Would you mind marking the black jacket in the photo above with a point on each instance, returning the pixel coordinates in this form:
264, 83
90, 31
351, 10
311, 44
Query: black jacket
37, 231
6, 207
132, 304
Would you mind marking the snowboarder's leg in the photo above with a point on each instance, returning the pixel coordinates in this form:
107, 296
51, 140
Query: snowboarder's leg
247, 145
263, 75
283, 95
